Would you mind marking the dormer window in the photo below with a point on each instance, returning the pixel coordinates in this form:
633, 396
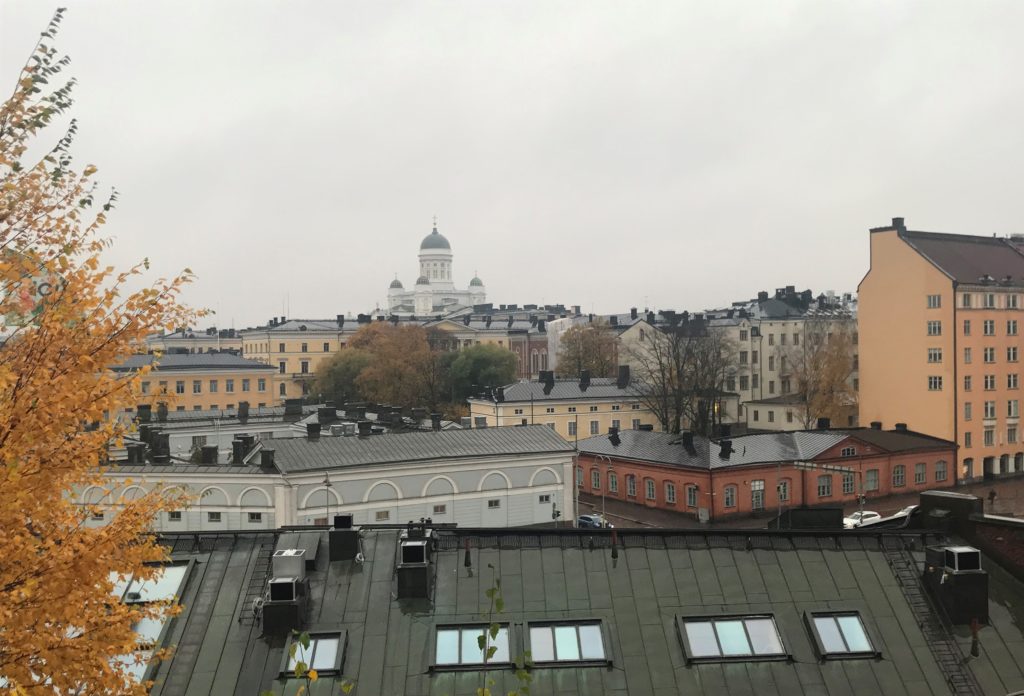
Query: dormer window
848, 452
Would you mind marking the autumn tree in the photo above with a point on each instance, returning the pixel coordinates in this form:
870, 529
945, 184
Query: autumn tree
819, 369
403, 369
592, 346
679, 371
482, 365
65, 317
335, 378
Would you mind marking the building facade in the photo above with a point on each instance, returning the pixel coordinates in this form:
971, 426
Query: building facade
940, 322
434, 291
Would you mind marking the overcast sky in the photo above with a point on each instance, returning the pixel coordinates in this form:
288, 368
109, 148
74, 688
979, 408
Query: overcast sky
608, 154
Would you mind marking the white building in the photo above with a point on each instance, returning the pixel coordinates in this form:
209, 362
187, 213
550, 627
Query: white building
434, 292
493, 477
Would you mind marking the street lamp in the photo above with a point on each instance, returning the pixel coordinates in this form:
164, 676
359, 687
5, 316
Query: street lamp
604, 486
327, 495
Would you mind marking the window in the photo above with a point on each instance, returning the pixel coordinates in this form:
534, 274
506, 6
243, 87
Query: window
848, 484
616, 407
782, 339
825, 485
579, 476
575, 642
730, 384
743, 334
789, 416
282, 390
245, 384
840, 635
517, 411
595, 479
613, 482
593, 409
616, 423
327, 347
934, 382
990, 300
213, 517
990, 409
967, 383
1011, 434
1011, 380
771, 339
940, 470
989, 327
935, 355
754, 381
934, 328
757, 494
1012, 408
198, 441
229, 386
572, 427
549, 409
304, 367
595, 427
197, 386
967, 440
255, 517
967, 356
382, 515
1011, 325
968, 411
771, 416
572, 409
1011, 354
989, 437
757, 414
544, 499
783, 490
965, 300
967, 327
1011, 301
324, 654
727, 637
920, 473
261, 385
990, 355
145, 387
494, 504
649, 486
990, 382
848, 452
179, 386
670, 493
692, 496
305, 348
771, 362
744, 382
163, 386
461, 645
871, 480
97, 516
631, 485
753, 358
282, 367
636, 424
743, 357
635, 407
934, 301
796, 339
174, 516
899, 475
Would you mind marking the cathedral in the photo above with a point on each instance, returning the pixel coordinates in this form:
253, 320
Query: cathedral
434, 292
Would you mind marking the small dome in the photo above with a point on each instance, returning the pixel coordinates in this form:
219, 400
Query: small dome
396, 283
435, 240
476, 283
422, 280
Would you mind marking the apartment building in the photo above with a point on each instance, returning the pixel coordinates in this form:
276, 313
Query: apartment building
204, 381
940, 320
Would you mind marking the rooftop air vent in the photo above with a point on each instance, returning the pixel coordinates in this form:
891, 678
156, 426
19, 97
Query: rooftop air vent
414, 568
289, 563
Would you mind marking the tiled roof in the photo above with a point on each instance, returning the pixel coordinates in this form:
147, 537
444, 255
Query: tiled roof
337, 452
777, 447
191, 361
967, 259
649, 446
600, 388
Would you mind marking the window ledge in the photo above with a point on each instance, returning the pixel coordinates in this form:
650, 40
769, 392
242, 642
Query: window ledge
475, 667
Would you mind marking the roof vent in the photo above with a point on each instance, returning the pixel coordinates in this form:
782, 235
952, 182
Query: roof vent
876, 425
726, 449
623, 381
584, 380
343, 539
289, 563
688, 443
901, 427
414, 568
954, 577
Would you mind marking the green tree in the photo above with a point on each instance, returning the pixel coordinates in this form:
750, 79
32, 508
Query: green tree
336, 378
484, 365
592, 347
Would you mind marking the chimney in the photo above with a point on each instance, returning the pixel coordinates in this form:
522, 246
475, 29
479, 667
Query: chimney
419, 414
145, 413
876, 425
623, 380
901, 427
313, 431
237, 452
365, 428
688, 443
326, 415
613, 437
293, 407
897, 222
613, 320
341, 321
726, 449
824, 424
762, 296
146, 433
499, 394
584, 380
540, 325
548, 377
725, 429
161, 412
208, 454
243, 411
267, 458
632, 313
466, 422
435, 421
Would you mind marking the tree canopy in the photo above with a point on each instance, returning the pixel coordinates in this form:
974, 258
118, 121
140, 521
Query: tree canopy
64, 317
482, 365
592, 347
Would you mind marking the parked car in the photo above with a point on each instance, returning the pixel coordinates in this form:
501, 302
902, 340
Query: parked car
860, 517
593, 522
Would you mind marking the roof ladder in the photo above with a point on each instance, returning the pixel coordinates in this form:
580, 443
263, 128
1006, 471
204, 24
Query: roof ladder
248, 612
944, 648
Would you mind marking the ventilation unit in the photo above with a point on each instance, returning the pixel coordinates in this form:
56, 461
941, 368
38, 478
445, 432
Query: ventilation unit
289, 563
343, 540
955, 579
414, 568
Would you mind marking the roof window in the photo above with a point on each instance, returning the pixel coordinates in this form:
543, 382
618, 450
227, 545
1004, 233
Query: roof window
324, 653
464, 645
840, 635
566, 642
725, 638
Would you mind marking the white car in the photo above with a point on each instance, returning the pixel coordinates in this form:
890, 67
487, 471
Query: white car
860, 517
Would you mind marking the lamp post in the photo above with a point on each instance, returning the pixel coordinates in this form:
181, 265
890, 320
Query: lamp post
604, 485
327, 496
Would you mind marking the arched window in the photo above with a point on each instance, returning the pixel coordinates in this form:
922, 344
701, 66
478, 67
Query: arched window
899, 475
1018, 462
543, 359
651, 491
1004, 464
757, 494
670, 493
969, 468
534, 361
730, 496
631, 485
595, 479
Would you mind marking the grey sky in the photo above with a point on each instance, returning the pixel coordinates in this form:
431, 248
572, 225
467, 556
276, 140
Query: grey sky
686, 153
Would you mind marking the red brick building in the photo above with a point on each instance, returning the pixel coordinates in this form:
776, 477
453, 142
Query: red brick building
766, 471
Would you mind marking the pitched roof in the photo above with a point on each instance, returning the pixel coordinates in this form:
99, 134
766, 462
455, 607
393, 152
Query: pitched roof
968, 259
191, 361
649, 446
337, 452
898, 440
600, 388
777, 447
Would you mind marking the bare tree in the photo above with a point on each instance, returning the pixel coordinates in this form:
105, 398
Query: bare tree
820, 368
592, 347
680, 370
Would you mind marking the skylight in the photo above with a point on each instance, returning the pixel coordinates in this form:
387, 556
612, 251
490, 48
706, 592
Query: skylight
570, 642
460, 645
732, 637
840, 635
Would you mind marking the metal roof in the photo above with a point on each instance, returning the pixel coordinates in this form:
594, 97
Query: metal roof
967, 259
191, 361
648, 446
301, 454
600, 388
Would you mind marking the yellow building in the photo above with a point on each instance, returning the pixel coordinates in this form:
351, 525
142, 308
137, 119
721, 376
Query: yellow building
575, 409
205, 381
294, 348
940, 318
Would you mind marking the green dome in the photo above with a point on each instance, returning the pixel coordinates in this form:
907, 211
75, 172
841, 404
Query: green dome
435, 240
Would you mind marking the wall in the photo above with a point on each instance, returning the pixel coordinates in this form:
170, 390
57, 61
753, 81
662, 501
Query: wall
206, 399
559, 418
